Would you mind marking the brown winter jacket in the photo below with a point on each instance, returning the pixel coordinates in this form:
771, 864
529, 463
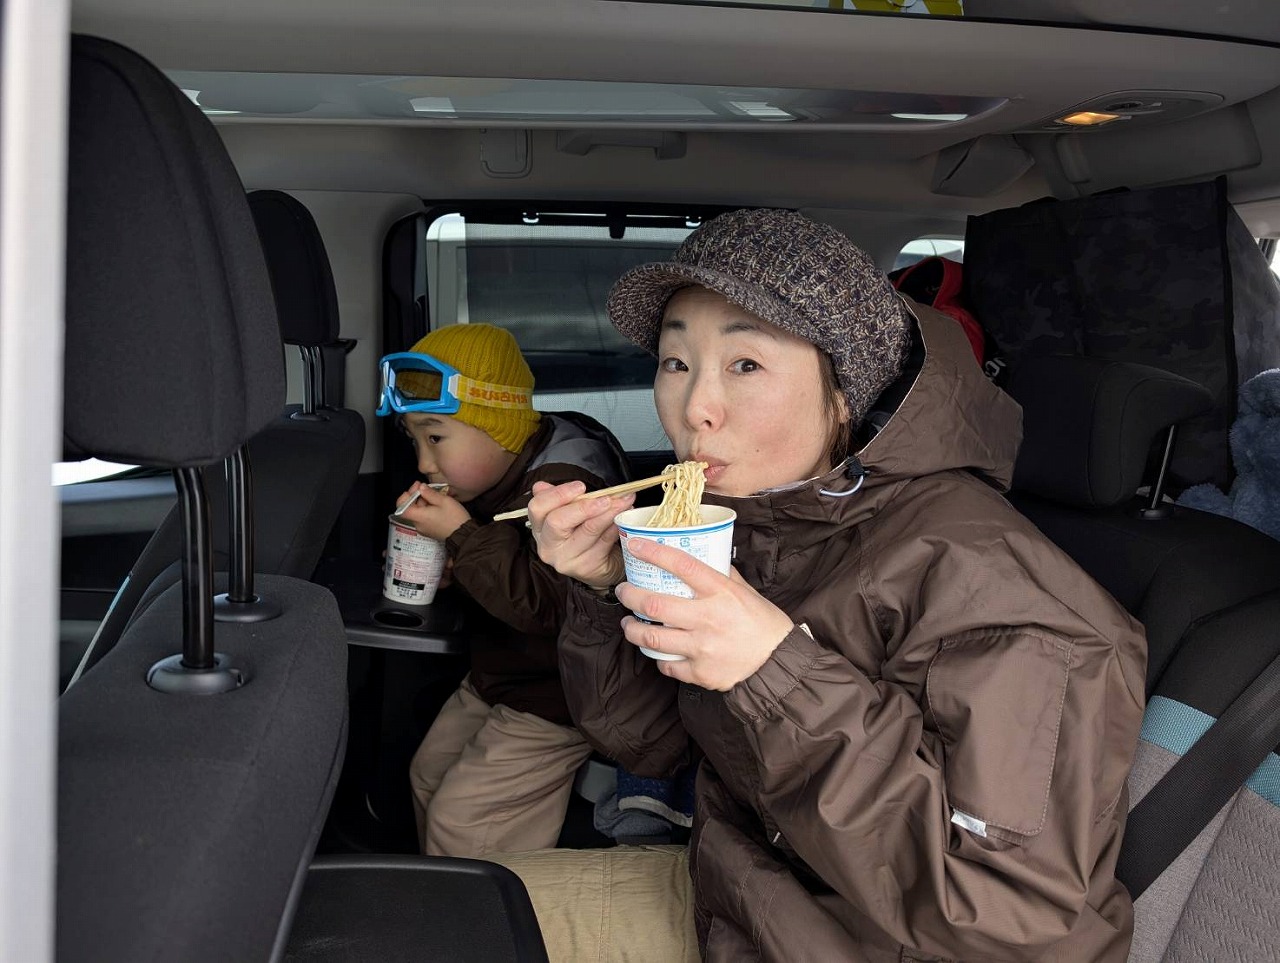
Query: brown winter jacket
939, 771
518, 601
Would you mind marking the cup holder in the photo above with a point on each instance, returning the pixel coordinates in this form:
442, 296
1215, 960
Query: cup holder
398, 619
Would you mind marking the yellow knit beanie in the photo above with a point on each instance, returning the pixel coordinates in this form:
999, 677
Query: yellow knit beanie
483, 352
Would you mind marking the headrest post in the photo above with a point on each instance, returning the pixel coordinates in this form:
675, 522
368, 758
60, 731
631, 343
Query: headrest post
309, 399
197, 571
198, 670
1156, 509
312, 384
319, 392
240, 505
239, 603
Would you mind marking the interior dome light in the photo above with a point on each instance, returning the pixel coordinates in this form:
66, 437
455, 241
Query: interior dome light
1088, 118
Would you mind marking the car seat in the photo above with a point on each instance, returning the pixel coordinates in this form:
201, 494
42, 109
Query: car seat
1203, 842
304, 461
196, 761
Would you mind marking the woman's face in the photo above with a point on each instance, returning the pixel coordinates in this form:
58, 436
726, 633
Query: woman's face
740, 394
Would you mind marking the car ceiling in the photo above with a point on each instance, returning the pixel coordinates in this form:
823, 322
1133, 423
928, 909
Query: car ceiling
1043, 71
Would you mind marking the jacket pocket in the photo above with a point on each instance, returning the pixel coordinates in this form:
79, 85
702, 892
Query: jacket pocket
995, 697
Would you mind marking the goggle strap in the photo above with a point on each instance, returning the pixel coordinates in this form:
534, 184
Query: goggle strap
489, 395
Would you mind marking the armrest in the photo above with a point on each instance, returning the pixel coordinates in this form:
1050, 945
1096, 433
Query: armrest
413, 908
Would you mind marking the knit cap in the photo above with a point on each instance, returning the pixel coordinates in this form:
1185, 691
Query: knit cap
793, 272
484, 352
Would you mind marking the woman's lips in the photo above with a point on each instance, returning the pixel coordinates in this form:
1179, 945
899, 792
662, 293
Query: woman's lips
714, 470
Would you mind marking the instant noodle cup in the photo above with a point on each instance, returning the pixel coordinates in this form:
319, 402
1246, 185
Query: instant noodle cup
710, 542
414, 564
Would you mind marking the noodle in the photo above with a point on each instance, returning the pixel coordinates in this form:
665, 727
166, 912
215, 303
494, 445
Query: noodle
681, 496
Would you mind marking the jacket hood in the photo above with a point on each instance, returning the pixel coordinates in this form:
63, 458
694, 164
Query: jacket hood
952, 418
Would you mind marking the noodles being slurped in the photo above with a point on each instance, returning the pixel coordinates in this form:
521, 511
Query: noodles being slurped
681, 496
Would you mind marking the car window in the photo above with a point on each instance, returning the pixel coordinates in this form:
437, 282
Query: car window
548, 284
951, 248
91, 469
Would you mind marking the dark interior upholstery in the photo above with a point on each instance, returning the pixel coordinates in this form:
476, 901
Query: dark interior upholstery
303, 469
306, 299
1223, 654
1088, 428
1088, 425
169, 211
359, 908
185, 821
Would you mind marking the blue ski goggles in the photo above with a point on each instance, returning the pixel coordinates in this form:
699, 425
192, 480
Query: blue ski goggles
419, 382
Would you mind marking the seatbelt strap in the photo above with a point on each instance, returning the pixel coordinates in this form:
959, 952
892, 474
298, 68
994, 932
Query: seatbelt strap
1180, 805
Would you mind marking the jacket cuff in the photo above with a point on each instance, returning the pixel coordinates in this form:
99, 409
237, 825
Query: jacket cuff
599, 616
761, 695
453, 544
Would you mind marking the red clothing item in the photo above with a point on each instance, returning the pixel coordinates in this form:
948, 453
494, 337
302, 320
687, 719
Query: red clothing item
938, 281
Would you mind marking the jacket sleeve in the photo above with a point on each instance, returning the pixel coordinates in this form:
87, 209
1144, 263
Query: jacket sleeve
617, 697
967, 828
498, 565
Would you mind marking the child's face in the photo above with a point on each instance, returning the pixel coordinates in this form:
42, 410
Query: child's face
464, 457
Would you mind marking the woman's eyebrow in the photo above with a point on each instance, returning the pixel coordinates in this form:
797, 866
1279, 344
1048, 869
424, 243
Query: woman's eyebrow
748, 326
734, 326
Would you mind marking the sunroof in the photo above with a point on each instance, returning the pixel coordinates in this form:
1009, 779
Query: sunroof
555, 103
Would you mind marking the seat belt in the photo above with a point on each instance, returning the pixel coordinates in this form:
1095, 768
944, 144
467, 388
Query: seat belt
1191, 793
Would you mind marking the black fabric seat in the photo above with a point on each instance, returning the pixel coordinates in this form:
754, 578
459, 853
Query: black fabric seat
1207, 588
304, 461
187, 811
1088, 426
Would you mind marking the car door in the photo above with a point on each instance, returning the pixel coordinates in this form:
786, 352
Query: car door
33, 86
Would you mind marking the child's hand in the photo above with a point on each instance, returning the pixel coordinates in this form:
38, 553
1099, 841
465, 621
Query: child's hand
575, 538
434, 514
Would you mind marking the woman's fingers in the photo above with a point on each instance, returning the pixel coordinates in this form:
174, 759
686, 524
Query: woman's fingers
577, 538
547, 498
661, 638
698, 575
725, 632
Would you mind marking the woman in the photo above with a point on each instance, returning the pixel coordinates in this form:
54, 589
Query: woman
915, 714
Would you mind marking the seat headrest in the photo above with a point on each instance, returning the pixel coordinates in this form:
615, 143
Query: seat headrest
173, 354
1088, 425
306, 300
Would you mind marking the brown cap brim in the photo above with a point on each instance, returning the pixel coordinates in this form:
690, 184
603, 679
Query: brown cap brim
639, 298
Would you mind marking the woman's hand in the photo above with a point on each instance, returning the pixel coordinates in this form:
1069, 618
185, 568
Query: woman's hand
434, 514
578, 539
725, 632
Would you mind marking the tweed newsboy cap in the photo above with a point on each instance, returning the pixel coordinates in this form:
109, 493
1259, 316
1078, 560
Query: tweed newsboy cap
805, 277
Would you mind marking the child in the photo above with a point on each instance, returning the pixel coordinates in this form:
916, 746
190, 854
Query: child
495, 770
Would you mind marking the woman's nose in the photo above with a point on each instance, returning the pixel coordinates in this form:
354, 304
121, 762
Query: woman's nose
704, 406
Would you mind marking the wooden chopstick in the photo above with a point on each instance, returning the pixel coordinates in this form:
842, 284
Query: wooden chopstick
623, 489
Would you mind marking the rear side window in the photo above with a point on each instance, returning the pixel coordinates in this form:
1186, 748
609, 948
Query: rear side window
1271, 248
951, 248
548, 284
91, 469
